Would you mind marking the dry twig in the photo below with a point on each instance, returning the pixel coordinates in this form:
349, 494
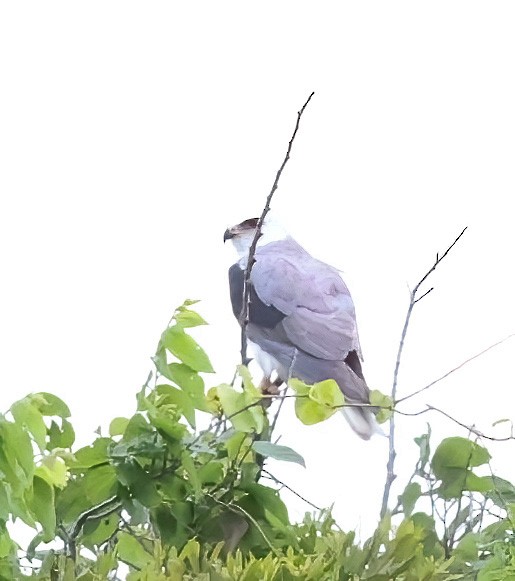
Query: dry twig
244, 317
283, 485
445, 375
471, 429
414, 299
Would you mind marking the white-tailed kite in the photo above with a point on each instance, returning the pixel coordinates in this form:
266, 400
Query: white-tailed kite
302, 321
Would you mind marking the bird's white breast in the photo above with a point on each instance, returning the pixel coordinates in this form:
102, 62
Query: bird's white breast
267, 363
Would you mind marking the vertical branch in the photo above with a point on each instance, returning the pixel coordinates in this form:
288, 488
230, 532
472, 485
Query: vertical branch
244, 317
290, 370
414, 299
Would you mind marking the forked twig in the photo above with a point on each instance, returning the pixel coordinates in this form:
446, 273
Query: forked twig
414, 299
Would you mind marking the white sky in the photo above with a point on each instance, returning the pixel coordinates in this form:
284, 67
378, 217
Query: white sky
133, 134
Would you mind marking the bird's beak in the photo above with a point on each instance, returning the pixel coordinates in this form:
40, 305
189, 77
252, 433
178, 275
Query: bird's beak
228, 234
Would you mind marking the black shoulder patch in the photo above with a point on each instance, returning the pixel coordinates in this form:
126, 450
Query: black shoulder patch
259, 313
352, 360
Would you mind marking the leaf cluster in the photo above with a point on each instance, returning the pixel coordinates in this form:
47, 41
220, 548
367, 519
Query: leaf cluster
157, 498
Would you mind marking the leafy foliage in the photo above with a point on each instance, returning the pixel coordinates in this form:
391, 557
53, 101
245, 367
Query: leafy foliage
156, 499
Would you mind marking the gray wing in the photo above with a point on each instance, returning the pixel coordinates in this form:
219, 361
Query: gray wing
320, 317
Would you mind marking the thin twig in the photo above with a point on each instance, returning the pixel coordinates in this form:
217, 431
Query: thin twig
454, 369
451, 532
241, 511
277, 481
424, 295
290, 371
276, 416
244, 316
472, 429
414, 298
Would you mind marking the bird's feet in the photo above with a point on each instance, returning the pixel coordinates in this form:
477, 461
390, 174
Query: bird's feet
270, 388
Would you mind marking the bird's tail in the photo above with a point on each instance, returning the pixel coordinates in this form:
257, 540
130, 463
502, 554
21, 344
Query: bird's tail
354, 387
362, 421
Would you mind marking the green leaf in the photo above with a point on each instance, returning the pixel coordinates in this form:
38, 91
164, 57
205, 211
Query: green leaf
186, 349
496, 531
53, 470
410, 496
41, 502
72, 501
384, 403
180, 399
26, 413
33, 545
184, 377
316, 403
189, 303
327, 393
60, 437
310, 412
100, 483
189, 381
458, 452
17, 448
270, 503
92, 455
106, 562
188, 318
166, 420
7, 546
467, 549
502, 492
193, 477
211, 473
452, 463
140, 483
174, 523
118, 426
97, 531
131, 550
299, 387
137, 427
278, 452
160, 360
243, 411
51, 405
431, 542
423, 442
191, 552
4, 502
237, 445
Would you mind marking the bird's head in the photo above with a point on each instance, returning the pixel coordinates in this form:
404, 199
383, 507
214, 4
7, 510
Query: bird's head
243, 234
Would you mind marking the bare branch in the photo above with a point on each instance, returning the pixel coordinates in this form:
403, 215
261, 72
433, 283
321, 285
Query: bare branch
414, 298
437, 262
277, 481
424, 295
471, 429
290, 370
279, 408
445, 375
244, 317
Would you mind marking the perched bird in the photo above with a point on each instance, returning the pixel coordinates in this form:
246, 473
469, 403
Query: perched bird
302, 321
